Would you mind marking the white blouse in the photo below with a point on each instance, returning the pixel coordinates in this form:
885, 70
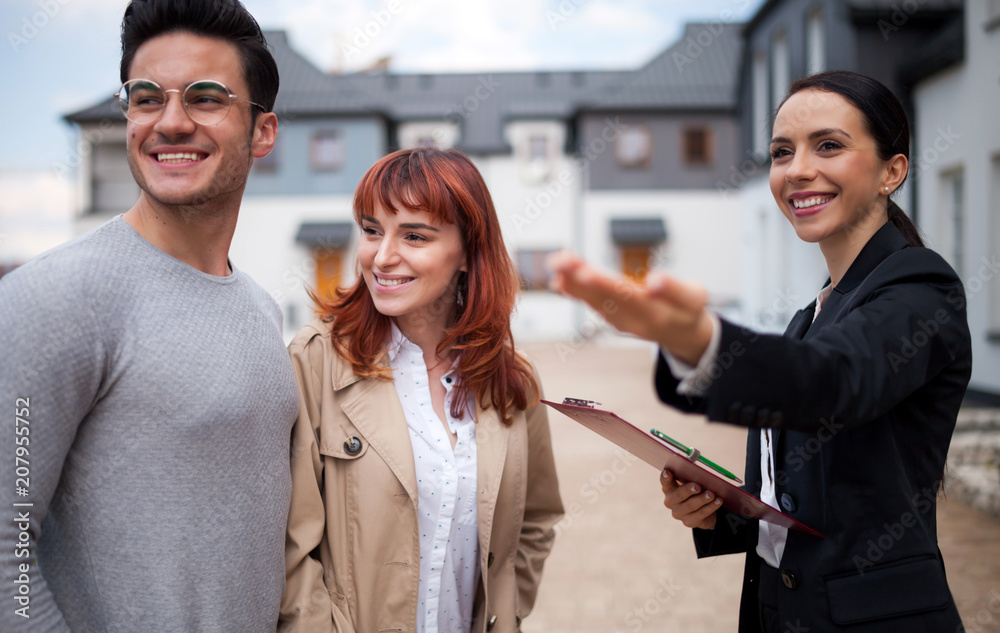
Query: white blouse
446, 487
694, 381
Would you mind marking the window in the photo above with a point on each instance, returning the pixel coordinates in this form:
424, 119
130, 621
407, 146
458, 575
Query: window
759, 112
781, 77
992, 14
114, 188
698, 147
634, 146
531, 268
994, 221
815, 43
538, 148
326, 151
951, 224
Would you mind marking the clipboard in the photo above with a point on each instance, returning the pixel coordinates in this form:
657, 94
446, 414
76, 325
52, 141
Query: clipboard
661, 455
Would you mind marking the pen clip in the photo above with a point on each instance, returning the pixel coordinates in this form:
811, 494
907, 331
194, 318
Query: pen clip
578, 402
694, 455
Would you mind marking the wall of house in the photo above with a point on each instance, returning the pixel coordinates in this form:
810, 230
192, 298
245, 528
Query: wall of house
958, 155
264, 247
294, 172
666, 169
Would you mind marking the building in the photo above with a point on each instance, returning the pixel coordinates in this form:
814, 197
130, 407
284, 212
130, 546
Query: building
957, 156
892, 41
619, 166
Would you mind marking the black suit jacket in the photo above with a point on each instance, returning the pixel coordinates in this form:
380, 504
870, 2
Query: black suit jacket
863, 402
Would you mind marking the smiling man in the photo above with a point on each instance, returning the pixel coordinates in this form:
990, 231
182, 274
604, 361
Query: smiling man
151, 392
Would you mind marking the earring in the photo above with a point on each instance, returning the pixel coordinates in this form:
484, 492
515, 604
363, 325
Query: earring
887, 190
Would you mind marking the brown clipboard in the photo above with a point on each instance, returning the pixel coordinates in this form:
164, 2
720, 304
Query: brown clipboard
657, 453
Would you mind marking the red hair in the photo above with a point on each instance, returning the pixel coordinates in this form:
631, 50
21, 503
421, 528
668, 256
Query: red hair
448, 186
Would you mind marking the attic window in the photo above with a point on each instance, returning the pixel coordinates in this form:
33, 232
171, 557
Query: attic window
634, 146
326, 151
698, 147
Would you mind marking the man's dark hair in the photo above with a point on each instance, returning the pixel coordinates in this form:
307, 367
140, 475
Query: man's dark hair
226, 20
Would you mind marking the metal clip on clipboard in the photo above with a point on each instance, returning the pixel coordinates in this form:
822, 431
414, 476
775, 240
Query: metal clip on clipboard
578, 402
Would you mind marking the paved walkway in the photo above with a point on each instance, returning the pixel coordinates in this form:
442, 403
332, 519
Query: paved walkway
622, 564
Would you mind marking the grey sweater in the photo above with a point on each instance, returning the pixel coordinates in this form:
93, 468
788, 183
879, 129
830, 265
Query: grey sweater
157, 403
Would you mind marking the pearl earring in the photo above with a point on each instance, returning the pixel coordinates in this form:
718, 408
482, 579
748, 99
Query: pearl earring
887, 190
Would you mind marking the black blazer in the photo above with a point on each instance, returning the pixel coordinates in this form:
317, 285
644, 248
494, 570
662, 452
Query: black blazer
863, 402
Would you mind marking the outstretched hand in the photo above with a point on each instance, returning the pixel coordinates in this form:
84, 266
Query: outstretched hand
666, 311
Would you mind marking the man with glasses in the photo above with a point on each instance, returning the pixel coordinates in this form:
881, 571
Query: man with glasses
147, 391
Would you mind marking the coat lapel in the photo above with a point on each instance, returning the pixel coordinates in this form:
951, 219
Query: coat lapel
492, 436
375, 410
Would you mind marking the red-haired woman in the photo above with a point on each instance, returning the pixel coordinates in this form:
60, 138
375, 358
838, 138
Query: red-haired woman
424, 490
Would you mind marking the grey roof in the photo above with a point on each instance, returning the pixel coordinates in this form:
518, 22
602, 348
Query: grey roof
681, 78
698, 72
638, 231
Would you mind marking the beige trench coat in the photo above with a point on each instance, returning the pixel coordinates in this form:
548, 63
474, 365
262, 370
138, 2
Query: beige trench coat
352, 548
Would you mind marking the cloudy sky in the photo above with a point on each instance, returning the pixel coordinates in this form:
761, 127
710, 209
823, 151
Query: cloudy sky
61, 55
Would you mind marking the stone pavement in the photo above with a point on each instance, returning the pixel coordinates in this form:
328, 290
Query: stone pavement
622, 564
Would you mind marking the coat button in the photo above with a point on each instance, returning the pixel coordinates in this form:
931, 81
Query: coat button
733, 412
489, 560
352, 446
491, 623
788, 502
789, 579
747, 415
777, 420
762, 417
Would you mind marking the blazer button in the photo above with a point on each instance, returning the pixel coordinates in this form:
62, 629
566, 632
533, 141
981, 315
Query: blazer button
733, 412
491, 623
352, 446
777, 420
747, 415
788, 503
762, 417
789, 579
489, 560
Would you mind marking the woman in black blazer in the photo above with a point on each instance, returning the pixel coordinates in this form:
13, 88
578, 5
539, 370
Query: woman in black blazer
851, 411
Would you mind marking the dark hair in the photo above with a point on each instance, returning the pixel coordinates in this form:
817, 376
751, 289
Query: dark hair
226, 20
885, 120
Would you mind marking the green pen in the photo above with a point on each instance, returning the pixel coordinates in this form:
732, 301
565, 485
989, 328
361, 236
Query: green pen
701, 458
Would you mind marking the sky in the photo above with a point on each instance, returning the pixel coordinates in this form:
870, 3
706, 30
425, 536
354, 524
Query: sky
59, 56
